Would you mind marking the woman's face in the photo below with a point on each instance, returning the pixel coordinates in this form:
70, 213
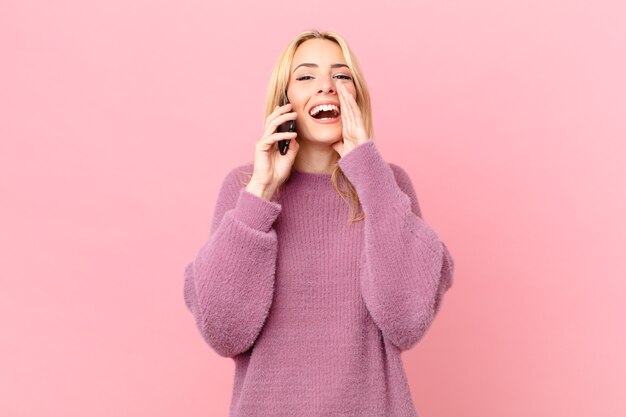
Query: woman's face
314, 83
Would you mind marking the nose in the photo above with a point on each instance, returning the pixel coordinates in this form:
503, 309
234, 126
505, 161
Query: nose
327, 86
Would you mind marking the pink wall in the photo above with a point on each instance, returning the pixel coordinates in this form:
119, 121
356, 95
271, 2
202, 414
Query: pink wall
119, 120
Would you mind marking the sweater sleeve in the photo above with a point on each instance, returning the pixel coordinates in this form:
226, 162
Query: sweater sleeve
229, 286
407, 268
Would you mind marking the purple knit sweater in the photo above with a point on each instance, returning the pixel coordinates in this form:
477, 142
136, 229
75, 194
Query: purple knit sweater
313, 311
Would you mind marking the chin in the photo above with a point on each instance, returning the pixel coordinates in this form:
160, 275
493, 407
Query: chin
326, 135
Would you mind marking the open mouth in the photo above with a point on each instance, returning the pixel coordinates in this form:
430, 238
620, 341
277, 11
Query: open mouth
325, 112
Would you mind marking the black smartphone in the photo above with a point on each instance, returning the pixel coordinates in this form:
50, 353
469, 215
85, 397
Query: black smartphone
288, 126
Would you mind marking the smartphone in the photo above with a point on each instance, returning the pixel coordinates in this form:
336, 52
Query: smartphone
288, 126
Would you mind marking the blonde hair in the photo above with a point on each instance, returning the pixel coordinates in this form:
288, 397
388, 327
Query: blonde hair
278, 84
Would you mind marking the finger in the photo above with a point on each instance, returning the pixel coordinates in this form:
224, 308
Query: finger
275, 137
344, 106
274, 123
355, 112
350, 106
293, 146
277, 111
347, 106
358, 117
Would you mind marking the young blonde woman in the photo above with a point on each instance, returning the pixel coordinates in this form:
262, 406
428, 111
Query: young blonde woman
319, 269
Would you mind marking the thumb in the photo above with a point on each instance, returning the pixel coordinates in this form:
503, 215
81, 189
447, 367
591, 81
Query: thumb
338, 146
293, 147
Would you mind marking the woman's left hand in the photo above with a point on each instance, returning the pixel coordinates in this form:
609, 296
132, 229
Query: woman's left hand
353, 127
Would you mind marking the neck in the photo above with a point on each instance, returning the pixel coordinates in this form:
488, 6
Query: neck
315, 157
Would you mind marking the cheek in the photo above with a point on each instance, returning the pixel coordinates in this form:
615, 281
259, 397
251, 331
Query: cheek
297, 102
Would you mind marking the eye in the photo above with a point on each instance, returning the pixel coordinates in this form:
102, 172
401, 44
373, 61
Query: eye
307, 77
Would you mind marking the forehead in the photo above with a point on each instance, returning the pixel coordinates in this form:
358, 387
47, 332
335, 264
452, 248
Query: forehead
318, 51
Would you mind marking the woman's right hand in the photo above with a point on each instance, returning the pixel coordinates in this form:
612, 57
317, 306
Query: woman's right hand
270, 167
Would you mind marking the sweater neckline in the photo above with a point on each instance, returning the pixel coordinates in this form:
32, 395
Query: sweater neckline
310, 180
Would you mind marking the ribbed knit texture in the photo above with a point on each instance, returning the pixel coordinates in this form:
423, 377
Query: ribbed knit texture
313, 311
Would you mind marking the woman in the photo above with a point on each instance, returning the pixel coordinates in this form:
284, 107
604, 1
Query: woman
314, 310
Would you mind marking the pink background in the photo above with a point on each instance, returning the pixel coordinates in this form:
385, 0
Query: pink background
119, 120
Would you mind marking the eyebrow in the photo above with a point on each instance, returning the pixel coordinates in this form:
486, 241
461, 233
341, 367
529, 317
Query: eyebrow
309, 64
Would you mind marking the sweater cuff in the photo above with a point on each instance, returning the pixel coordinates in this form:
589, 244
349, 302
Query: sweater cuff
370, 174
256, 212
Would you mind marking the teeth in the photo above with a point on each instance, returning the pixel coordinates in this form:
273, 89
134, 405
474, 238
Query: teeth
321, 107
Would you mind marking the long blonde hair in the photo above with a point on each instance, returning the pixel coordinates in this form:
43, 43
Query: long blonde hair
279, 81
